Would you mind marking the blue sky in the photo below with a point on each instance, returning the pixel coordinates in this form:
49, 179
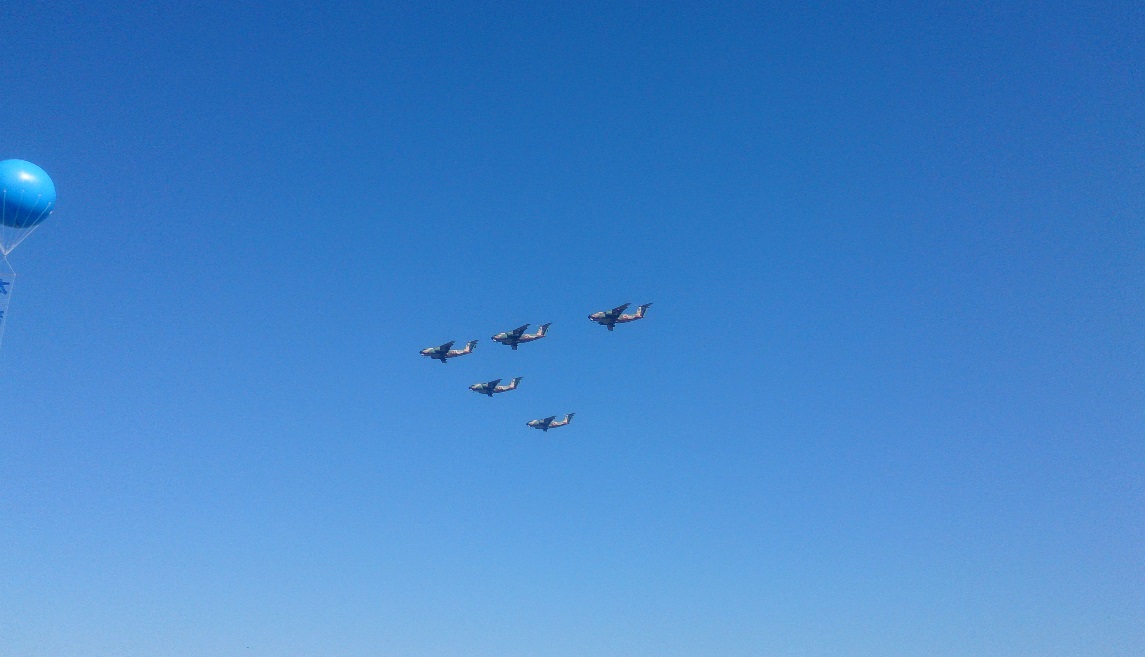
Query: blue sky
889, 400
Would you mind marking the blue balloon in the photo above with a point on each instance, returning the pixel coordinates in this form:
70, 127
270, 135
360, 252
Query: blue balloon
27, 194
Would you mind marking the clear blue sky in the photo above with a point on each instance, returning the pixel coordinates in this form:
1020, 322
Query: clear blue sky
889, 400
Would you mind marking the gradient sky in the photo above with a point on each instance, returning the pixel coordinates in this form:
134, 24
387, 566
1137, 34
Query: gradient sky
889, 400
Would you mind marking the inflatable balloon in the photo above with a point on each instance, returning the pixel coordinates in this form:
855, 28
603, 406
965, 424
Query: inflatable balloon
27, 196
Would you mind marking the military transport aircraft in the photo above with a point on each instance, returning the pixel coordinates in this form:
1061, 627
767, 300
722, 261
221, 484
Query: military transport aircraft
611, 318
444, 352
490, 388
518, 335
547, 423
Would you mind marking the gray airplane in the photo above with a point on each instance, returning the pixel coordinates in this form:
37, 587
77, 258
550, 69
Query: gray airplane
518, 335
548, 423
491, 388
444, 352
611, 318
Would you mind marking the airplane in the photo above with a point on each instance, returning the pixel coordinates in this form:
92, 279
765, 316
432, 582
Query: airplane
443, 352
518, 335
547, 423
611, 318
491, 387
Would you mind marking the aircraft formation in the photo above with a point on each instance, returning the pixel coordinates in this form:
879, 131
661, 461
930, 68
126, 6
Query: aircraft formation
518, 336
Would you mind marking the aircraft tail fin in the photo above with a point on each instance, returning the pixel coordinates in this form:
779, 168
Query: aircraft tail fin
544, 328
642, 309
469, 346
568, 418
516, 380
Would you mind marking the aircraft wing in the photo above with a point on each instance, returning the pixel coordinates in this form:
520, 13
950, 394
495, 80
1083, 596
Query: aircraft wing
519, 331
493, 383
619, 309
447, 346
